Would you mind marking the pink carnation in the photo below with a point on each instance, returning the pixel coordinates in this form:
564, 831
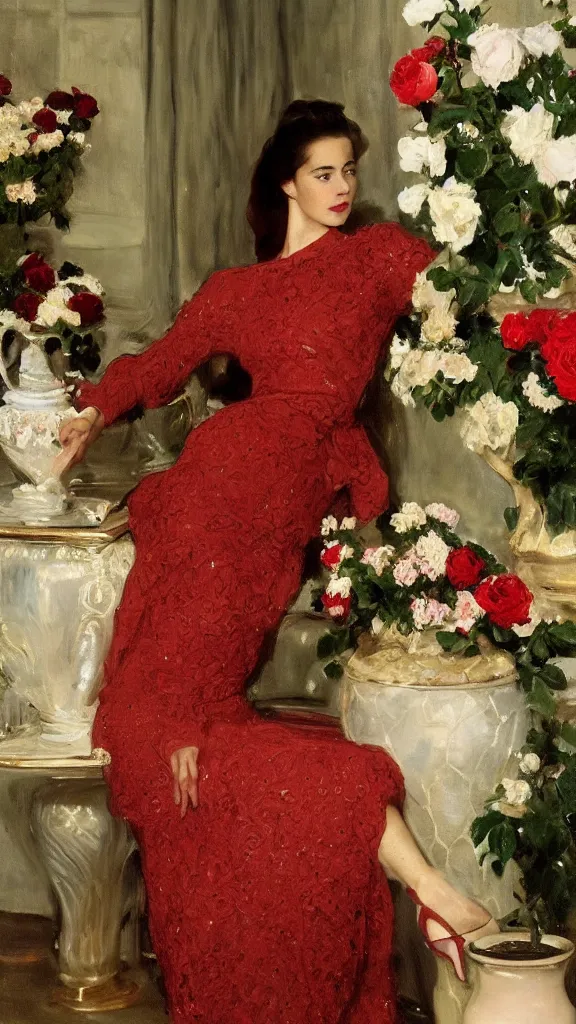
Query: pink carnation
428, 612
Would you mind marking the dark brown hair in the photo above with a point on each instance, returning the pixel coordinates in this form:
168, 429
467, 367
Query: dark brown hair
302, 122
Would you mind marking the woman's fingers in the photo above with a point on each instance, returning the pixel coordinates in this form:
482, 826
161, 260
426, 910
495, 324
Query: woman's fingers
185, 772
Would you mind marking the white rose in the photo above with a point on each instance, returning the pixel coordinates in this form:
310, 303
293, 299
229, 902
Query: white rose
77, 137
412, 199
439, 325
516, 791
557, 161
419, 367
469, 129
455, 213
541, 39
415, 154
530, 764
23, 191
528, 131
86, 281
490, 423
420, 12
54, 308
376, 625
497, 54
425, 296
468, 5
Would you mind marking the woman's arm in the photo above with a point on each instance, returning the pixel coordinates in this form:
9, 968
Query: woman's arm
397, 256
153, 377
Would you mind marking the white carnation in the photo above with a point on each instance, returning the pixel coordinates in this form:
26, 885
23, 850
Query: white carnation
339, 586
563, 235
378, 558
421, 366
431, 553
87, 282
77, 137
412, 199
468, 5
448, 516
9, 117
13, 142
537, 396
466, 612
416, 154
528, 131
329, 525
490, 423
541, 39
47, 141
455, 213
22, 191
54, 308
348, 523
516, 791
399, 349
63, 116
497, 54
530, 764
420, 12
410, 515
27, 108
428, 612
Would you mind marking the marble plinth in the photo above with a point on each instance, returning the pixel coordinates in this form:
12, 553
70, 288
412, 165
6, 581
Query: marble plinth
58, 593
453, 745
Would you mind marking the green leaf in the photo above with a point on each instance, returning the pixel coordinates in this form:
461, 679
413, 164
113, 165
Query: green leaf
333, 670
502, 841
481, 826
507, 221
568, 733
566, 786
473, 162
553, 677
563, 636
540, 699
529, 290
511, 515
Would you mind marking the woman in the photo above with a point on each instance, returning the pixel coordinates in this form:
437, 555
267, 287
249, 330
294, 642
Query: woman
266, 904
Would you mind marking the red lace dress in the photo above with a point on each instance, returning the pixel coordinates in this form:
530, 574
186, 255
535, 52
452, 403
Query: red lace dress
267, 904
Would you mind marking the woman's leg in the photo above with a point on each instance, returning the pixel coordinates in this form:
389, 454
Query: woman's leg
402, 860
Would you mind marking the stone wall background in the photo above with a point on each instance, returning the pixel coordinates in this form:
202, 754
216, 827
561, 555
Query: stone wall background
189, 91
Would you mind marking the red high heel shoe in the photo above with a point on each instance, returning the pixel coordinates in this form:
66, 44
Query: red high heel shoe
452, 946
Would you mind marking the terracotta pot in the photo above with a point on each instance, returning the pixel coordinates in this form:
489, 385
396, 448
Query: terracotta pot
520, 991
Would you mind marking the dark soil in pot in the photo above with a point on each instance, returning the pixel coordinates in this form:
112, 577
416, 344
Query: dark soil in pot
515, 949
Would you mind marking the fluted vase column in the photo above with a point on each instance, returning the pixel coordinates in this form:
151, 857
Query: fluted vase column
87, 855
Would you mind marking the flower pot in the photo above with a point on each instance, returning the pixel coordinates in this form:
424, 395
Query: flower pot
519, 991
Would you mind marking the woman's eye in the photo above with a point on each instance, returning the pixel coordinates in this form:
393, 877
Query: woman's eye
324, 177
352, 171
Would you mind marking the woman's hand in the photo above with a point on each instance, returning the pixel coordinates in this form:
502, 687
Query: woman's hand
184, 764
75, 437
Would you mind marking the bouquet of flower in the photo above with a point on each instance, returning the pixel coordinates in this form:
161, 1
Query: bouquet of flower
424, 577
63, 306
496, 145
41, 142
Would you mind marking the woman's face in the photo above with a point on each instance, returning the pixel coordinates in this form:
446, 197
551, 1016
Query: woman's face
325, 185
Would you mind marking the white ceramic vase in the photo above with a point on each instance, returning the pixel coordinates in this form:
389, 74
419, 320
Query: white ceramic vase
521, 991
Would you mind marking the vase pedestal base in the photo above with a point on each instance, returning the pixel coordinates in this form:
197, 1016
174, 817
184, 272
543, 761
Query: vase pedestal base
115, 994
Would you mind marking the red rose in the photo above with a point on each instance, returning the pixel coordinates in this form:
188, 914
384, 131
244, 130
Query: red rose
519, 329
85, 106
38, 274
59, 100
90, 307
26, 306
337, 606
330, 556
464, 567
32, 137
432, 48
5, 86
506, 599
45, 120
559, 351
413, 81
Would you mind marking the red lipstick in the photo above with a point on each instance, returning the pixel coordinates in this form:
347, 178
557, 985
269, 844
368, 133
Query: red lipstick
340, 208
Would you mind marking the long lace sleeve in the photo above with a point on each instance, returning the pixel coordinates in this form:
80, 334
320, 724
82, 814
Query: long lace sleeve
396, 256
153, 377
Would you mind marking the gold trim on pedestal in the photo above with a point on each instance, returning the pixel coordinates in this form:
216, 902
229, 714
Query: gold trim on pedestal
110, 529
115, 994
